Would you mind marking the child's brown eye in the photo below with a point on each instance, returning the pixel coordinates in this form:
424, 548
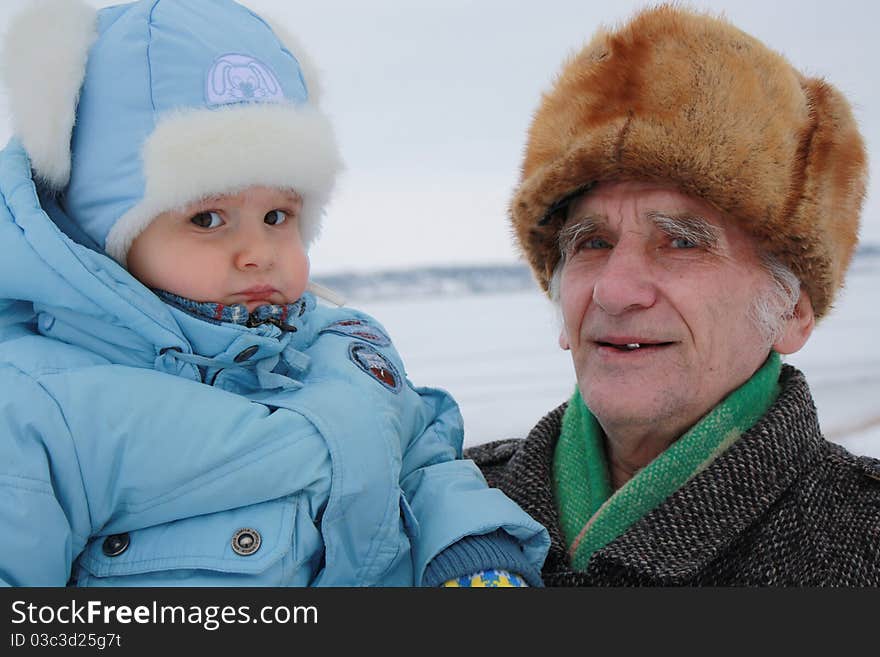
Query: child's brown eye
275, 217
207, 219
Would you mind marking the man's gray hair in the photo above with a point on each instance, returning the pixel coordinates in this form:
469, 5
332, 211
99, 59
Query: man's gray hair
775, 304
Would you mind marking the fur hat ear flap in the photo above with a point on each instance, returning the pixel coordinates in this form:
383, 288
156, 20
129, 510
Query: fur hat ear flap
43, 67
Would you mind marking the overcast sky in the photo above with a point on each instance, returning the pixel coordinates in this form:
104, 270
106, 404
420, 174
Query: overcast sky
431, 101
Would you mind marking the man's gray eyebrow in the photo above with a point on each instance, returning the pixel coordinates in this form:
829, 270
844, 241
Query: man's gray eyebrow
584, 225
689, 226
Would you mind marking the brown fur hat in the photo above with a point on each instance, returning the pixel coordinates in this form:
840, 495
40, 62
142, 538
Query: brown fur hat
687, 98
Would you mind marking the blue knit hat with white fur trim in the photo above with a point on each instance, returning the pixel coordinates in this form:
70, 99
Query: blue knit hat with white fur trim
141, 108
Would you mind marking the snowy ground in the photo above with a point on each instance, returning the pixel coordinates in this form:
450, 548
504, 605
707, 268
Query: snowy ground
497, 355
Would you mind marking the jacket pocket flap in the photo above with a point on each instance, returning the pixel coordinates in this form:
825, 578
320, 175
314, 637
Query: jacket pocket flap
204, 542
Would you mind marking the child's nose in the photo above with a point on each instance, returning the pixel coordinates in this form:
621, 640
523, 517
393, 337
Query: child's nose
256, 250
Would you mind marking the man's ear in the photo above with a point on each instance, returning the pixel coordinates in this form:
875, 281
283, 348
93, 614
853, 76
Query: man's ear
563, 339
798, 327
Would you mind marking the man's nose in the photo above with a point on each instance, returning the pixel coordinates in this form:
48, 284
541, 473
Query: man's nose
255, 248
625, 281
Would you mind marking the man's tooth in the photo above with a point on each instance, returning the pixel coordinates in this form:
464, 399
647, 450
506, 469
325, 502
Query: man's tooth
633, 345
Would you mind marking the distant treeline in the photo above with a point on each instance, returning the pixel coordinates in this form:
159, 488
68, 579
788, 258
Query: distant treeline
457, 279
868, 251
432, 281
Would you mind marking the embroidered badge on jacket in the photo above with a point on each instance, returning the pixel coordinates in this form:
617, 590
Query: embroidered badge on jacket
357, 328
375, 364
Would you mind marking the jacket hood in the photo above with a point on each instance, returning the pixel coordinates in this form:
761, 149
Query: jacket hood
58, 277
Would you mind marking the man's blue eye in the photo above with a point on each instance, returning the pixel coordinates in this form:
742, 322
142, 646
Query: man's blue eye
594, 243
275, 217
683, 243
207, 219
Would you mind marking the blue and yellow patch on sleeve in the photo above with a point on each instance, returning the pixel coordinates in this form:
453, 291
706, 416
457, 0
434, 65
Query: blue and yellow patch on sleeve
494, 579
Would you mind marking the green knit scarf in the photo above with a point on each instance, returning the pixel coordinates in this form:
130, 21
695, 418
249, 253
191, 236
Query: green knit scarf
592, 515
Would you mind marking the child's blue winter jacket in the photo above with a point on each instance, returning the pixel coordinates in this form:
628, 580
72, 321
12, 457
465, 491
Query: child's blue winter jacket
140, 445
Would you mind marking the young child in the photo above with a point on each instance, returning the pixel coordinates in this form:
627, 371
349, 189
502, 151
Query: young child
176, 408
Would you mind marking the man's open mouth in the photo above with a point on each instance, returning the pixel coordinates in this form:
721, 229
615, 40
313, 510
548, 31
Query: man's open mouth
633, 346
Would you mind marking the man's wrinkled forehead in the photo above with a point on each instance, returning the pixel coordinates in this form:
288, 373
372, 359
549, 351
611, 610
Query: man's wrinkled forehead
640, 197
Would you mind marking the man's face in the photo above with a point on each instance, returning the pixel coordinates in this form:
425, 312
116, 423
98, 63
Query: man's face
237, 249
650, 266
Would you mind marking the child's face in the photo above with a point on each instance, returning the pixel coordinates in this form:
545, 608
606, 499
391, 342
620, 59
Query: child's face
243, 248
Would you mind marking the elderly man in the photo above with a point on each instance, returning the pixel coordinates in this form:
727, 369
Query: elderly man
691, 202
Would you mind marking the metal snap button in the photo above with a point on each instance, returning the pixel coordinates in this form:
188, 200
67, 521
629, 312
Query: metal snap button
247, 353
246, 541
116, 544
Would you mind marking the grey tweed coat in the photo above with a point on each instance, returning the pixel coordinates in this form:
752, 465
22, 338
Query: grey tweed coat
781, 507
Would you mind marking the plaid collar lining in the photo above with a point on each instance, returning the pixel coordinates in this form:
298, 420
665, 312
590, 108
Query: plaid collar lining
281, 315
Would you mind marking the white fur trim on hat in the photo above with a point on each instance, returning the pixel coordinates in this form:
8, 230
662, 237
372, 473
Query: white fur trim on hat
44, 82
197, 153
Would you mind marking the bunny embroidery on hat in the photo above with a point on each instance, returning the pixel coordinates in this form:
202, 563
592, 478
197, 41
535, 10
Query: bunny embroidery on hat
234, 78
